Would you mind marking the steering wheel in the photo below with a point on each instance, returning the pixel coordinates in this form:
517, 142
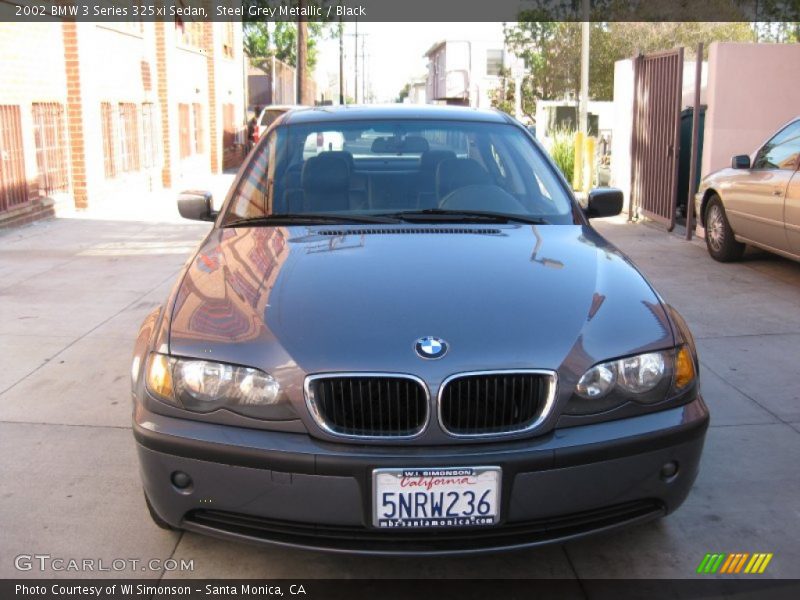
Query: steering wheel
482, 197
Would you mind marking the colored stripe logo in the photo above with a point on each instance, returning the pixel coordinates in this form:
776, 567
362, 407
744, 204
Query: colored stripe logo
738, 562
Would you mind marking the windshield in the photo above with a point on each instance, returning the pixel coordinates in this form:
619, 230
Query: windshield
399, 168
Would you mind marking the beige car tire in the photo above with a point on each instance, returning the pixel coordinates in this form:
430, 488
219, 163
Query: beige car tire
720, 240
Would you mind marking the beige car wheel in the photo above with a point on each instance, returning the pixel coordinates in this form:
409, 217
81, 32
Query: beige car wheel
720, 241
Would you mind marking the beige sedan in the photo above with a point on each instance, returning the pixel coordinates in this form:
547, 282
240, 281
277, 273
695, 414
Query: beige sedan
756, 201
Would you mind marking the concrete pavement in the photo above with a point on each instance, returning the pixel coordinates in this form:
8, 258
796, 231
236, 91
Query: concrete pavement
70, 483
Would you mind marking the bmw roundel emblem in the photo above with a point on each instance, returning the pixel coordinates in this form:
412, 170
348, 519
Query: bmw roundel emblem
431, 347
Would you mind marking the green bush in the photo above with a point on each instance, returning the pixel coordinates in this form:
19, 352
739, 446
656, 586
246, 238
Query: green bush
562, 149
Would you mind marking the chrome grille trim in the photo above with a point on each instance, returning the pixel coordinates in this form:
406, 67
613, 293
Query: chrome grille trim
322, 422
546, 405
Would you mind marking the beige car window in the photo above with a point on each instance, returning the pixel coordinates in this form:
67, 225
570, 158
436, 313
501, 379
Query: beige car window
782, 156
781, 152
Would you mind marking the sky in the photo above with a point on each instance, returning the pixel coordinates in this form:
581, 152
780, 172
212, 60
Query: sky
394, 52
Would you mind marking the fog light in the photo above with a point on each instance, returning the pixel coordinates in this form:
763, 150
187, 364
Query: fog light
669, 470
181, 480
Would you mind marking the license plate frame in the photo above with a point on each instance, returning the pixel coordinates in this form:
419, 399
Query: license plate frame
485, 477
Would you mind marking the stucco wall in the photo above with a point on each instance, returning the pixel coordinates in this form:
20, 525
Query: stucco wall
752, 90
622, 128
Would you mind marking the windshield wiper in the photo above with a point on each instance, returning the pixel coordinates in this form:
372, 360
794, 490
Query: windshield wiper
309, 219
440, 214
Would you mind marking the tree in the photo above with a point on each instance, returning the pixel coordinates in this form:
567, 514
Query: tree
263, 41
551, 53
404, 91
778, 21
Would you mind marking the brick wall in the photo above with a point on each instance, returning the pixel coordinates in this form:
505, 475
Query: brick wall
75, 114
148, 68
211, 64
230, 83
27, 78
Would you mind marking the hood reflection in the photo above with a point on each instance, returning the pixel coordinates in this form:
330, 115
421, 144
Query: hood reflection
230, 285
361, 296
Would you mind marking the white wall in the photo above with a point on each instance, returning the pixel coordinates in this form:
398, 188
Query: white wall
32, 76
111, 71
623, 127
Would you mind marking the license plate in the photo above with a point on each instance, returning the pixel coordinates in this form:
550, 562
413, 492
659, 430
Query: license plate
436, 497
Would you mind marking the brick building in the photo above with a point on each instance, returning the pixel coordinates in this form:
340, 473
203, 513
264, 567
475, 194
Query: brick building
88, 109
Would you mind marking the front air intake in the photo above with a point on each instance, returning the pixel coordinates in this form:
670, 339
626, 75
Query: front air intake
368, 405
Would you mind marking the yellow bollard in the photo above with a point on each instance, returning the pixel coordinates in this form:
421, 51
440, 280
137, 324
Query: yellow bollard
577, 173
589, 168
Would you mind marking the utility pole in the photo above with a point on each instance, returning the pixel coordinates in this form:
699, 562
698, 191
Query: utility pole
302, 51
583, 104
341, 61
363, 71
581, 147
584, 94
355, 62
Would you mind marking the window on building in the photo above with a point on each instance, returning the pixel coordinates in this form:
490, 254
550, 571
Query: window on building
228, 126
134, 25
107, 127
190, 33
13, 184
128, 137
184, 130
149, 136
199, 130
51, 147
227, 40
494, 62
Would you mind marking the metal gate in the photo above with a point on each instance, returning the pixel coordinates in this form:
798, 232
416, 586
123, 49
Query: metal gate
13, 186
656, 135
51, 147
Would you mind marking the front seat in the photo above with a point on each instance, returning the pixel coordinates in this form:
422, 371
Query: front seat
358, 181
326, 183
426, 180
456, 173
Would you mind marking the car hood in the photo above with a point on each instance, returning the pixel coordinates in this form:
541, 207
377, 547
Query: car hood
299, 300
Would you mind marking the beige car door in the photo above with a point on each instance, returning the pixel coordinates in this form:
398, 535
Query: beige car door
754, 201
792, 212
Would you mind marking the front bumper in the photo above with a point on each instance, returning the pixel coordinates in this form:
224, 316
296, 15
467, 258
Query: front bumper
294, 490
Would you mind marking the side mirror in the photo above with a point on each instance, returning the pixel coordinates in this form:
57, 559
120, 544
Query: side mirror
196, 205
604, 202
740, 161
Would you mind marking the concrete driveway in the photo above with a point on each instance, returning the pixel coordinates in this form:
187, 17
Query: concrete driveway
70, 486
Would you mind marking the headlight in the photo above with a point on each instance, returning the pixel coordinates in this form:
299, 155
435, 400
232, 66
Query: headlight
644, 378
597, 381
203, 386
640, 374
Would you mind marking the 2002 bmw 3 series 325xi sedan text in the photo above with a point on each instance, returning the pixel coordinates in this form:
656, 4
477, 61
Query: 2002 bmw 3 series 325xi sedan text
402, 335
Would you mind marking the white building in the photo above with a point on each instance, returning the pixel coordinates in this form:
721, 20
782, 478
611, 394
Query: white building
466, 72
417, 92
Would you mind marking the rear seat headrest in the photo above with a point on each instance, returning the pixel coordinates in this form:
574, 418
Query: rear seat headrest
455, 173
431, 159
415, 144
325, 174
348, 158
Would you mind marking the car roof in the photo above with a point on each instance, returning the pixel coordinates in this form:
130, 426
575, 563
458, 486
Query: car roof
282, 107
351, 112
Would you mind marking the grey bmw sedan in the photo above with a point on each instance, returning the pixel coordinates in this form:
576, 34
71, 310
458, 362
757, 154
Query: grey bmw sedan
402, 335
